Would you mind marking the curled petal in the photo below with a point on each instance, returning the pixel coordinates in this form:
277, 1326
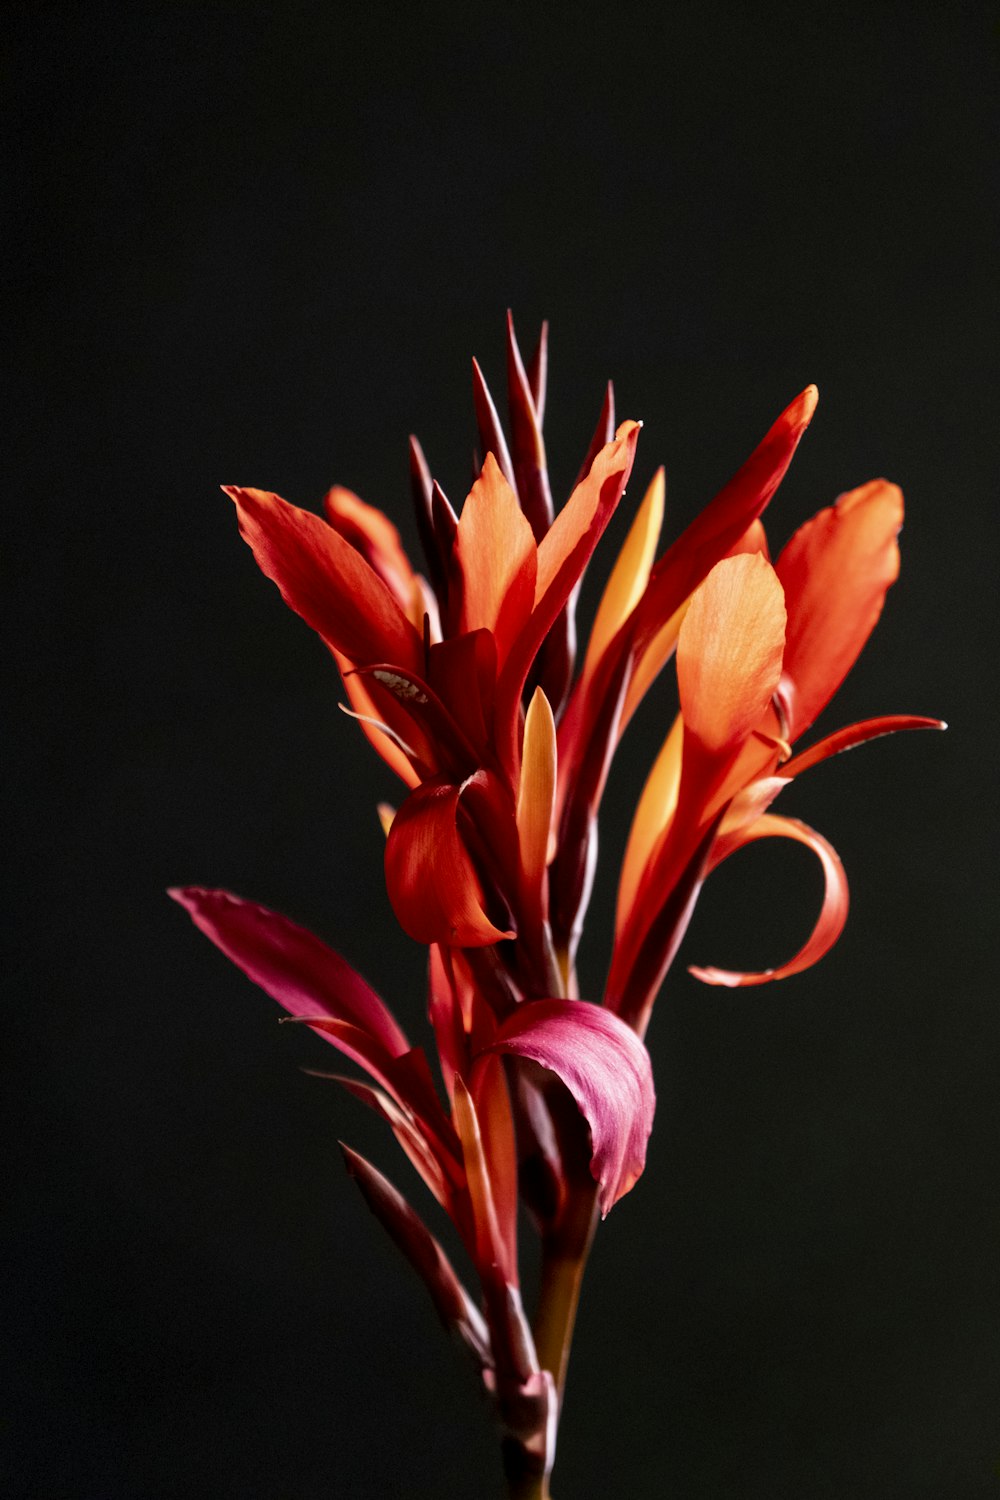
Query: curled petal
432, 882
856, 734
606, 1069
454, 1306
291, 965
833, 912
325, 580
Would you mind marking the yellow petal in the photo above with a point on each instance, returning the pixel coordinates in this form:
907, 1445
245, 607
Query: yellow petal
537, 790
653, 813
630, 573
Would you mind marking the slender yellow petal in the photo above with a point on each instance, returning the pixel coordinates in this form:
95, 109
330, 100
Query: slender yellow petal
630, 573
653, 813
537, 790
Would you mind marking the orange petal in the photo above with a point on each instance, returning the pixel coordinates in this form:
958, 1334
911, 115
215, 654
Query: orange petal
491, 1247
729, 651
833, 912
325, 580
432, 882
653, 812
723, 522
835, 572
495, 556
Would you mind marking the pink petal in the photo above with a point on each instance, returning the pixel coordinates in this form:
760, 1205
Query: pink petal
833, 912
607, 1070
290, 964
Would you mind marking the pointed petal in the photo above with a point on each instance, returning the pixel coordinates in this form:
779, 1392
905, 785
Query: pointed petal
496, 1124
563, 555
603, 432
409, 1136
538, 373
653, 812
536, 796
491, 1249
606, 1069
630, 574
835, 572
729, 651
454, 1306
856, 734
290, 964
723, 522
491, 436
495, 556
833, 912
528, 447
325, 580
432, 883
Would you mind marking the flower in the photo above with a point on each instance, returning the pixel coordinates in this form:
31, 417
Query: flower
463, 681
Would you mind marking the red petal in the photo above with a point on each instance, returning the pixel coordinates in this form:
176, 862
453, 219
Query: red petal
290, 964
835, 572
325, 580
833, 913
433, 885
722, 523
528, 447
856, 734
454, 1306
606, 1069
373, 535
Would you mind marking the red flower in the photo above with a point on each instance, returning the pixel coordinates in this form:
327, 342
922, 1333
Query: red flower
464, 683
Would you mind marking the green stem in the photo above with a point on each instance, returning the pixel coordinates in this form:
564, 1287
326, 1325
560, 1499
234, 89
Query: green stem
564, 1258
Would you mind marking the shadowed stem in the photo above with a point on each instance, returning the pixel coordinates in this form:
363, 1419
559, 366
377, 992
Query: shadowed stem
564, 1257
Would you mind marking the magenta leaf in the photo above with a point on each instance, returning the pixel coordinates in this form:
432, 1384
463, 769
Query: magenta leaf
290, 964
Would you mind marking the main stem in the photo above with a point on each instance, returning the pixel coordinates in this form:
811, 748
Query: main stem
564, 1258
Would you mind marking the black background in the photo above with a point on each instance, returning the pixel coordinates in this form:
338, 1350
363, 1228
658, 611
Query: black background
259, 246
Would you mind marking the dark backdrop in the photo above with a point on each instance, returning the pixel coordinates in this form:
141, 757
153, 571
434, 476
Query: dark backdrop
259, 245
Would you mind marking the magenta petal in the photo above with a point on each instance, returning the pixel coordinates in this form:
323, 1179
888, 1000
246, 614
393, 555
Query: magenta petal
607, 1070
290, 964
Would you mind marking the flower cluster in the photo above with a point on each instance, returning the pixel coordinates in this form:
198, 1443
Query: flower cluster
464, 681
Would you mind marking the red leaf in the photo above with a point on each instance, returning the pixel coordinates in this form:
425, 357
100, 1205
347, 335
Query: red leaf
290, 964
